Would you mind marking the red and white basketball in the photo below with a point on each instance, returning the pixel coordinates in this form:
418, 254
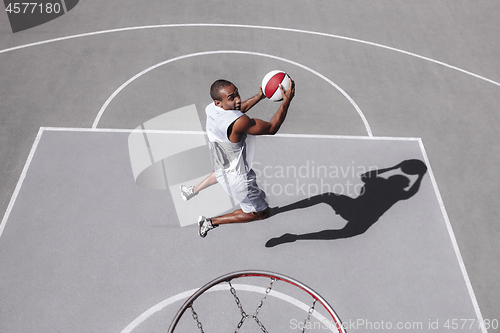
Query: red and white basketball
271, 83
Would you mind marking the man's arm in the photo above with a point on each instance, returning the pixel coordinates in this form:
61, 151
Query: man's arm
247, 125
249, 103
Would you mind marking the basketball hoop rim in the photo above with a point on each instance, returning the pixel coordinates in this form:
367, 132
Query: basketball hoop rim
256, 273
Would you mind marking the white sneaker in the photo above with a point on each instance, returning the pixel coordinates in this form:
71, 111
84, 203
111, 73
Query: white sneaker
187, 192
205, 225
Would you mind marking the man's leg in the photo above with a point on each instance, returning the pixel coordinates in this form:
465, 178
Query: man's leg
209, 181
239, 216
254, 199
188, 192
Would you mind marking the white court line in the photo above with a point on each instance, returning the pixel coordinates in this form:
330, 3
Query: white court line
283, 135
252, 27
245, 287
20, 182
343, 137
453, 239
117, 91
63, 2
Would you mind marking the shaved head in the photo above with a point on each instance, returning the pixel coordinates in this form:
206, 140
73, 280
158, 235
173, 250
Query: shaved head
216, 87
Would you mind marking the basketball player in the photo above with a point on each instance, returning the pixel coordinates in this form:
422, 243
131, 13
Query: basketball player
228, 129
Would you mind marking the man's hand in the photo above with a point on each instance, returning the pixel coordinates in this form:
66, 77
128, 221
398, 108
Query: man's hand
289, 94
261, 93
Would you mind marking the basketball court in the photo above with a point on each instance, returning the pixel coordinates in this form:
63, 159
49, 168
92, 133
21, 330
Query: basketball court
96, 237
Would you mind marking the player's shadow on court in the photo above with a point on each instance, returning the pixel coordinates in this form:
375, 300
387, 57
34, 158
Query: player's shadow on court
376, 197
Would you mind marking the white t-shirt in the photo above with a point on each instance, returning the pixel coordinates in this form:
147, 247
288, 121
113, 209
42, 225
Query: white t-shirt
228, 156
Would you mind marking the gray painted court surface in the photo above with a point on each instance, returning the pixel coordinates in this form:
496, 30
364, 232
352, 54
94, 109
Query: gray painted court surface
84, 247
117, 249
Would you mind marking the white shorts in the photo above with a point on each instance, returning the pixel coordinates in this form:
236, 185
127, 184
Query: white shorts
244, 190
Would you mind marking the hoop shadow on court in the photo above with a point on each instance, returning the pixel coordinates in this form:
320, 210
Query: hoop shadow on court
377, 196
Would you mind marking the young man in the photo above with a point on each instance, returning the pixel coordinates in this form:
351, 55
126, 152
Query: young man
228, 128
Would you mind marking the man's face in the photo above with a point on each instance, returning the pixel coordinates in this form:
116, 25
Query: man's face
230, 98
